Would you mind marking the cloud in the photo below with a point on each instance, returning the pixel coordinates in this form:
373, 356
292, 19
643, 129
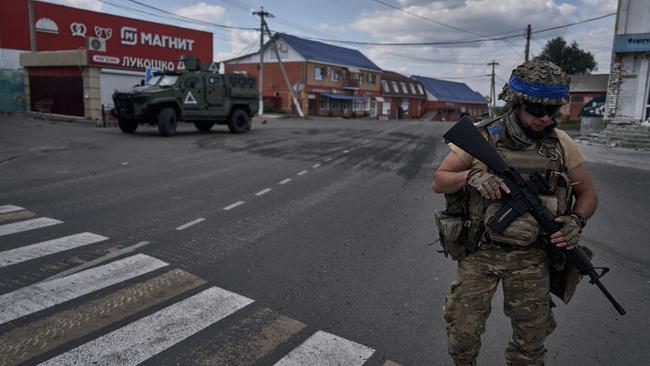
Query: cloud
204, 12
339, 28
94, 5
241, 42
468, 62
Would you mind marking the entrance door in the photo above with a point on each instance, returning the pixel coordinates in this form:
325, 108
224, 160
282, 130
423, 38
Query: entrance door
57, 90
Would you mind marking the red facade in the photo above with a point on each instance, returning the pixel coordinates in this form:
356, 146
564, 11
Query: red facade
119, 42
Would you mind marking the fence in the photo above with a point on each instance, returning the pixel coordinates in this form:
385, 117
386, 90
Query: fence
12, 90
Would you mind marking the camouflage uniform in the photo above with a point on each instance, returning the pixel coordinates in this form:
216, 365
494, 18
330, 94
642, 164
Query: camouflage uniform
523, 270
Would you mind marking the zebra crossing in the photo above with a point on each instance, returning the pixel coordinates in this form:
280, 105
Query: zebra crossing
137, 307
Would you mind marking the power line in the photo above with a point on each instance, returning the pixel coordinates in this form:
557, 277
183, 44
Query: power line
191, 19
440, 43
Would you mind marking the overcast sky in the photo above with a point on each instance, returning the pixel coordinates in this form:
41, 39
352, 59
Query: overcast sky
412, 21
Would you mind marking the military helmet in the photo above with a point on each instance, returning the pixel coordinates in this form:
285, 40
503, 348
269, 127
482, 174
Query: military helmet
537, 81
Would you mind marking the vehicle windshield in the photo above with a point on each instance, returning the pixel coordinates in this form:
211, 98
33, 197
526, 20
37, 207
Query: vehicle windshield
153, 81
167, 80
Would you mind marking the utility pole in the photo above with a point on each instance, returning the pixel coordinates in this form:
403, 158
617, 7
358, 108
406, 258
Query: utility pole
284, 72
262, 14
528, 31
493, 94
32, 32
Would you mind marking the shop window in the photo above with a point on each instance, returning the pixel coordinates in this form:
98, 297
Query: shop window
324, 102
319, 72
384, 85
403, 85
395, 87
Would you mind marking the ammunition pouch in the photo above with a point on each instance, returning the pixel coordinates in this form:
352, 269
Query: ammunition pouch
522, 231
458, 236
564, 275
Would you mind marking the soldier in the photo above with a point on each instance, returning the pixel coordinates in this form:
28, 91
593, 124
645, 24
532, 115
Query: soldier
527, 139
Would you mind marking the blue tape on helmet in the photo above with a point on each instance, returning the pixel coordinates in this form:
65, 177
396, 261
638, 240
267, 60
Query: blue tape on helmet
538, 90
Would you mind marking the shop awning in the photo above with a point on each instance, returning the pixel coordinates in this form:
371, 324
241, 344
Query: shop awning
341, 96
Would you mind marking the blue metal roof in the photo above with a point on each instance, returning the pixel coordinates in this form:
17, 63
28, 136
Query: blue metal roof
327, 53
450, 91
342, 96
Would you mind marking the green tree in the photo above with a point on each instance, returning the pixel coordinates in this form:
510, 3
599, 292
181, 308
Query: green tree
571, 59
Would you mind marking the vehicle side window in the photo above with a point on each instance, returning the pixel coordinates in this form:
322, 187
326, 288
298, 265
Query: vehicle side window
191, 82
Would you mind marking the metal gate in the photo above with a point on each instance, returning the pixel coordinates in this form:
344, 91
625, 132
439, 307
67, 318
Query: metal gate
57, 90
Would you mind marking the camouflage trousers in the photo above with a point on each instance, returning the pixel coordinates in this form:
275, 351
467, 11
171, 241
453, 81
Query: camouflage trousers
525, 281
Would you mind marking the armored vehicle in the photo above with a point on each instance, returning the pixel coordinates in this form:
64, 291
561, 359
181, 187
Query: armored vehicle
198, 95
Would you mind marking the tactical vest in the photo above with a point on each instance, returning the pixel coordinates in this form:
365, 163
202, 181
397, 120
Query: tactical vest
547, 159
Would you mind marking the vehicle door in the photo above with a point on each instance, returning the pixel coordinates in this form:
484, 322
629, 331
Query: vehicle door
192, 94
215, 90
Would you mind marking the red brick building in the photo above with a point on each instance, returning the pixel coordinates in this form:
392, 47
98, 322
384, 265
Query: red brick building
402, 97
449, 100
328, 80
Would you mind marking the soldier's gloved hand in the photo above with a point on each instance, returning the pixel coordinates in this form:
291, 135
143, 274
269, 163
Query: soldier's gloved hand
569, 234
487, 184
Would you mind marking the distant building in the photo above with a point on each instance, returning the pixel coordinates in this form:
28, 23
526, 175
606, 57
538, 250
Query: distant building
628, 90
583, 89
328, 80
402, 97
449, 100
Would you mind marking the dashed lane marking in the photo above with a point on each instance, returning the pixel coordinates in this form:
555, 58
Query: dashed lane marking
264, 191
144, 338
328, 159
44, 248
285, 181
324, 348
230, 207
9, 208
346, 151
26, 225
315, 166
45, 334
302, 172
191, 223
31, 299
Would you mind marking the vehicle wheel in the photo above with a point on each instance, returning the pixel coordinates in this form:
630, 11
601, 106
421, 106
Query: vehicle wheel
127, 125
239, 121
167, 121
204, 126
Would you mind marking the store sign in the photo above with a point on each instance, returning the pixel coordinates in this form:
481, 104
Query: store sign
125, 42
638, 42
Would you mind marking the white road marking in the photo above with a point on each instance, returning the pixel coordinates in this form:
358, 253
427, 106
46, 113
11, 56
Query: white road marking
264, 191
97, 261
324, 349
346, 151
315, 166
9, 208
26, 225
302, 172
144, 338
285, 181
191, 223
238, 203
31, 299
328, 159
44, 248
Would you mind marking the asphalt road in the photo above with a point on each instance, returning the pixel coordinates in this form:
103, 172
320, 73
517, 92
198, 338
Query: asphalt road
300, 237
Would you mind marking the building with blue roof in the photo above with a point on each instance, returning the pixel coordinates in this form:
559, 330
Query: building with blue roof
449, 100
328, 80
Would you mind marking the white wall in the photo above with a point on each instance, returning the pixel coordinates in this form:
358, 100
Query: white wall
9, 59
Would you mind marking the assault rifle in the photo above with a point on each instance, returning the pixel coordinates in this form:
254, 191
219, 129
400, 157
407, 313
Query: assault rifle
522, 199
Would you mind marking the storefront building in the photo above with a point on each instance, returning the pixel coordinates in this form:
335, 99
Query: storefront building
82, 56
628, 89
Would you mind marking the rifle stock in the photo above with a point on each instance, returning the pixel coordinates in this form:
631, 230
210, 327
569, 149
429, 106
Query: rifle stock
521, 199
